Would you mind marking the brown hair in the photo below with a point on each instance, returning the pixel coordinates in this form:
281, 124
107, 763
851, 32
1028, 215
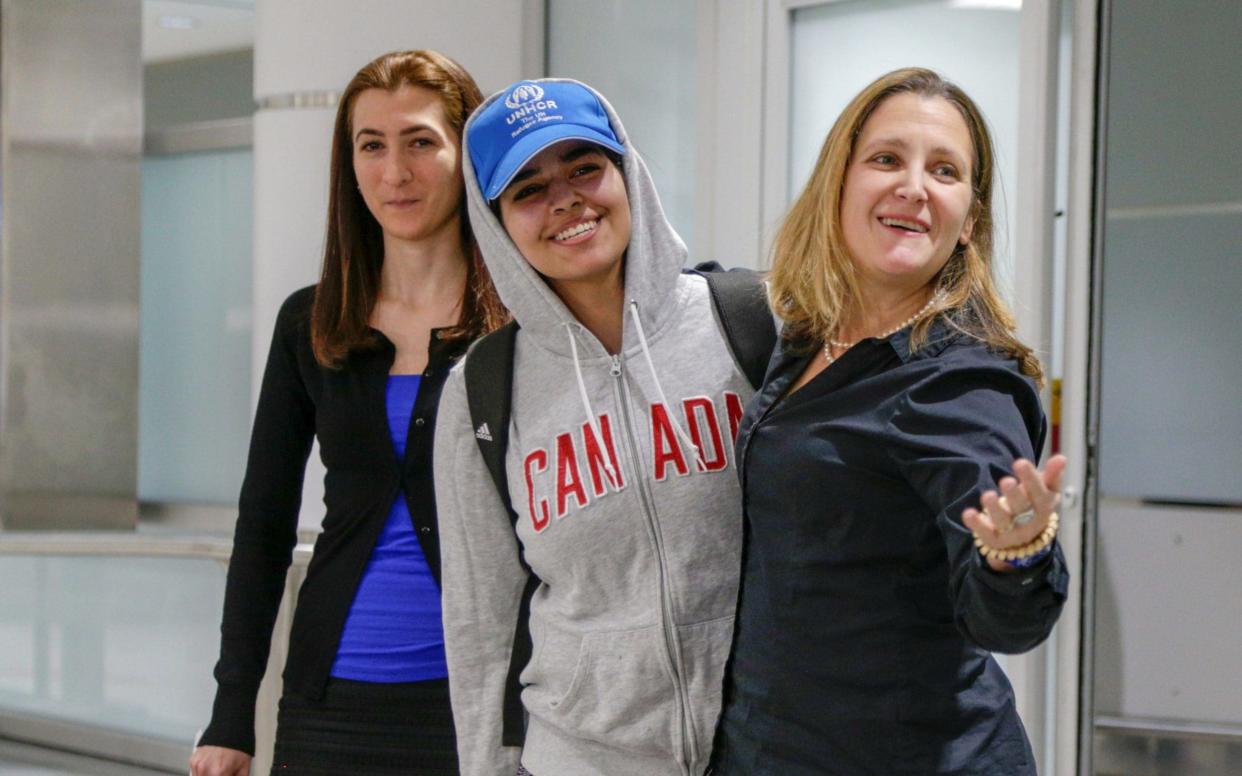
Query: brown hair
814, 286
353, 247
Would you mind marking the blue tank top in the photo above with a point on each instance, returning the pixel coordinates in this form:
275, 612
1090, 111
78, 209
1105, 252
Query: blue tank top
393, 631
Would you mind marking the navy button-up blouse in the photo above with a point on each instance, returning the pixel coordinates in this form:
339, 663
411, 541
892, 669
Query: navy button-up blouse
866, 616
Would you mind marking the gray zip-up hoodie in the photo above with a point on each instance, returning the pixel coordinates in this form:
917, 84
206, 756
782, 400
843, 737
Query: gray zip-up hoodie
635, 536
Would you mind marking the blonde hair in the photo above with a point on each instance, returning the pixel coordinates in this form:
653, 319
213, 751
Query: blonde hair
814, 285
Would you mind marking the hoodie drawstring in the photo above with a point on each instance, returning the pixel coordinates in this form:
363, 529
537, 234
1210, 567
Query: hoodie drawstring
586, 404
672, 415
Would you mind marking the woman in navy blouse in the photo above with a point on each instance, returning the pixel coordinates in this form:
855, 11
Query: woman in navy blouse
358, 362
872, 594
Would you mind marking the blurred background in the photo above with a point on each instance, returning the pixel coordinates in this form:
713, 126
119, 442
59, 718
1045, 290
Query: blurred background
163, 183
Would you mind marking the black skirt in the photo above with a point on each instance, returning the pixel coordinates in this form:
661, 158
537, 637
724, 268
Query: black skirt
368, 729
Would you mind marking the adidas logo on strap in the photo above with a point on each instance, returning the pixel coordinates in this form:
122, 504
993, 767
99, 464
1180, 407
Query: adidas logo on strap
482, 432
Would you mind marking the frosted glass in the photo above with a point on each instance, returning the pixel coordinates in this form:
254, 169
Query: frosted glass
1172, 124
1170, 418
1171, 360
194, 341
838, 48
121, 643
647, 71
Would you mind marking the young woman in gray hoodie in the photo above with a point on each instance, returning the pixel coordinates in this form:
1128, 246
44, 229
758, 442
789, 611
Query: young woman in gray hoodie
620, 461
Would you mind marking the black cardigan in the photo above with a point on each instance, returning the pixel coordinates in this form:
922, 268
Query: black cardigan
345, 408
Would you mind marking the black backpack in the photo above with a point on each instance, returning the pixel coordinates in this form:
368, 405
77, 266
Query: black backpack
740, 303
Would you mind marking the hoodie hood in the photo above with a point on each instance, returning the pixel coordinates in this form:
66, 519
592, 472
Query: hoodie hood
653, 260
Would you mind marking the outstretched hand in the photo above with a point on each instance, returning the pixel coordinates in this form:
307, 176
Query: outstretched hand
1007, 520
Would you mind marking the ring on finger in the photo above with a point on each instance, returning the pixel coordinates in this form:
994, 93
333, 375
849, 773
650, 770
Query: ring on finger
1018, 519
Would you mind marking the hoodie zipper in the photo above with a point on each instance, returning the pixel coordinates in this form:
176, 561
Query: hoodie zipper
671, 642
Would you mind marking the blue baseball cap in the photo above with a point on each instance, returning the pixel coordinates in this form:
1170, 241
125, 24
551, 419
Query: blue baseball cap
531, 116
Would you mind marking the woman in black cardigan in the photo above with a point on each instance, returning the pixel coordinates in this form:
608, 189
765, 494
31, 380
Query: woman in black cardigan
358, 361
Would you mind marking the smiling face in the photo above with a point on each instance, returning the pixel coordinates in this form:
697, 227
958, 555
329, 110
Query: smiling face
907, 199
567, 211
407, 160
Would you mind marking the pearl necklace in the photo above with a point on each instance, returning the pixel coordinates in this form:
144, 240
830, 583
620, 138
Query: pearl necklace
831, 343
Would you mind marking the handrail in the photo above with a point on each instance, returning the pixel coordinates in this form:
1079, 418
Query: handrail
110, 543
1166, 728
140, 749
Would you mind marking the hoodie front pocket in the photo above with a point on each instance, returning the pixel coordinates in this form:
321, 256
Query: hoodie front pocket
621, 694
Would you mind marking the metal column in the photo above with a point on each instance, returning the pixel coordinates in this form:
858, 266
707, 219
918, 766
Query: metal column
71, 139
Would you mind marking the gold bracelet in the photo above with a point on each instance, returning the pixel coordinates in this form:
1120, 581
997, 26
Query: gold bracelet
1033, 547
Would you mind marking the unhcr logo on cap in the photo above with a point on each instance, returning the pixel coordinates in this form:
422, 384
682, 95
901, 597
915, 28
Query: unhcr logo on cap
527, 105
501, 138
523, 93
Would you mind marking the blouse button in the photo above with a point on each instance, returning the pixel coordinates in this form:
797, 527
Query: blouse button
426, 529
419, 422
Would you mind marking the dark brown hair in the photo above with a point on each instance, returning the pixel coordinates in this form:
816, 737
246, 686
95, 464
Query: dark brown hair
354, 247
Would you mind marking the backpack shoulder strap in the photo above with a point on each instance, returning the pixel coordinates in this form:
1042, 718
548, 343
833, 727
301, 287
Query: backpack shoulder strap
489, 385
489, 390
742, 305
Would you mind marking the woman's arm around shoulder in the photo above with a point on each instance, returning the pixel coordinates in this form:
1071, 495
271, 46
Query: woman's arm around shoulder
483, 580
